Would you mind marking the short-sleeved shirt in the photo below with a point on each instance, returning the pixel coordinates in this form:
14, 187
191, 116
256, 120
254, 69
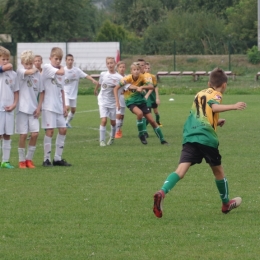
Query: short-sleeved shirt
7, 88
107, 82
132, 96
201, 125
72, 77
29, 88
53, 86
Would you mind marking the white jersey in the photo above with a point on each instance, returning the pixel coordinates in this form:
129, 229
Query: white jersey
52, 86
108, 81
7, 88
72, 77
29, 88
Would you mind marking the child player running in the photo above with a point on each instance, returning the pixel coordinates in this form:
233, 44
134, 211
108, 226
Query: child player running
9, 94
72, 76
153, 97
201, 141
120, 112
53, 108
28, 108
136, 102
106, 100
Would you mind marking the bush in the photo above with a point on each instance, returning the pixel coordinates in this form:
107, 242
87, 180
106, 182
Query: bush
253, 55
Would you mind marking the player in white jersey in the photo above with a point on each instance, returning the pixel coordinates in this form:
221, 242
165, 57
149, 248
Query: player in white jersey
120, 113
106, 100
28, 110
9, 94
72, 76
53, 108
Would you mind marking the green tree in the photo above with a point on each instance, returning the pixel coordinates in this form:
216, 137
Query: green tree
35, 20
111, 32
242, 25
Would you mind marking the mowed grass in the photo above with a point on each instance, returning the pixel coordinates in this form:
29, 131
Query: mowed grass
101, 207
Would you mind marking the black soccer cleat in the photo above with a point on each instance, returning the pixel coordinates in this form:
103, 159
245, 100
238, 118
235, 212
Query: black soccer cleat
164, 142
62, 162
47, 163
143, 139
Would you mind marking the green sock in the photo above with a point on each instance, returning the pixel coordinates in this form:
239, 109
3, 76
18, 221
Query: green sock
159, 134
170, 182
140, 126
144, 124
222, 186
157, 118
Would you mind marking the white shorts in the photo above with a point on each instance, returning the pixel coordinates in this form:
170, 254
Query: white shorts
52, 120
121, 111
25, 123
6, 123
107, 112
70, 102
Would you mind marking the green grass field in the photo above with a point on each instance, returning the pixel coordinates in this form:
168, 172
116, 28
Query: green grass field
101, 207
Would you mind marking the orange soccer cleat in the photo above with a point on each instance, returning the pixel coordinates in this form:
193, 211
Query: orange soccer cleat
119, 134
22, 165
29, 164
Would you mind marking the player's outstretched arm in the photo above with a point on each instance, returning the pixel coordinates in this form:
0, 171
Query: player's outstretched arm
90, 78
61, 71
217, 108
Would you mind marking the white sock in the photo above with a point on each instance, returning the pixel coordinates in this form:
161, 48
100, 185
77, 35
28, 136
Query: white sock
113, 131
47, 147
30, 152
102, 133
118, 124
70, 117
21, 153
6, 148
60, 140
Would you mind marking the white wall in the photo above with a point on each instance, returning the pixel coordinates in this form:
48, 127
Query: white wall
89, 56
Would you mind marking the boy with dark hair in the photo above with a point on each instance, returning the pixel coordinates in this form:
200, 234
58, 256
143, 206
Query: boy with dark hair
201, 141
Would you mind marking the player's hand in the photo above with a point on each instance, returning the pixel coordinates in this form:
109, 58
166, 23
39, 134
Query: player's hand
221, 122
95, 92
158, 102
36, 113
9, 108
240, 105
146, 97
65, 112
35, 70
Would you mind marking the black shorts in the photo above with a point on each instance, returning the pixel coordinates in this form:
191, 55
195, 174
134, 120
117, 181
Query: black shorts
143, 107
154, 105
195, 152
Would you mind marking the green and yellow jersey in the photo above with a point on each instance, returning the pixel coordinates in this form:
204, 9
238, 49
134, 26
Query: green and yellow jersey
201, 125
131, 95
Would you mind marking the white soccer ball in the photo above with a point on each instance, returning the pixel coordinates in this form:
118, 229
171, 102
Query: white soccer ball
171, 99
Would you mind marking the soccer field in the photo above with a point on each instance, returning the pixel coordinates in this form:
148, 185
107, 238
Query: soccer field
101, 207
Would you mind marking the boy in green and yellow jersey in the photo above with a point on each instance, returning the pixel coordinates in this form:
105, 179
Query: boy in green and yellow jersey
201, 141
134, 86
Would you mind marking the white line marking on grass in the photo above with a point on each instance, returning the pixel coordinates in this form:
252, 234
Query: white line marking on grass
86, 111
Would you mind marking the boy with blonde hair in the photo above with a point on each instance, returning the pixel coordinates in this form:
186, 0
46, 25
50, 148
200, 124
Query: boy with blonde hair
53, 108
72, 77
106, 100
28, 109
9, 94
134, 85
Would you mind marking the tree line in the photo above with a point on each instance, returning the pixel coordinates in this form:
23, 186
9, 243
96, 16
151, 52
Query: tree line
142, 26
